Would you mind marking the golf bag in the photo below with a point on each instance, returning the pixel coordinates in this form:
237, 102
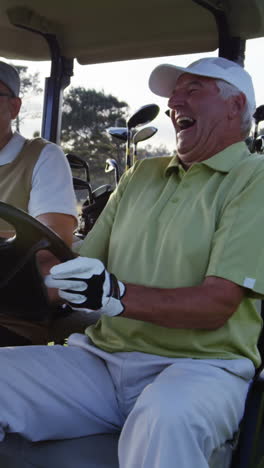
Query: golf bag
96, 199
91, 211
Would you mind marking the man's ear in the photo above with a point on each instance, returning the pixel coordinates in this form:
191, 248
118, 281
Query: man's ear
236, 105
15, 104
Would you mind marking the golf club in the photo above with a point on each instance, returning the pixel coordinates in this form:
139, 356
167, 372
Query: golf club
118, 132
259, 144
258, 117
141, 135
111, 165
259, 114
76, 162
142, 116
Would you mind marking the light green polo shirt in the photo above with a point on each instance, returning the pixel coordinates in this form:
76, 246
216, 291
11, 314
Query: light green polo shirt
167, 228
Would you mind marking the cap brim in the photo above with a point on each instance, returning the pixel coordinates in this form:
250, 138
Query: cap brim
163, 79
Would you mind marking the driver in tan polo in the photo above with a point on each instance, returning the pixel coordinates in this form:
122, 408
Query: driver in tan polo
35, 177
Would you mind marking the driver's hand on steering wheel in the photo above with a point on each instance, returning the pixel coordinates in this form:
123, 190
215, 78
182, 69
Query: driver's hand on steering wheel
87, 286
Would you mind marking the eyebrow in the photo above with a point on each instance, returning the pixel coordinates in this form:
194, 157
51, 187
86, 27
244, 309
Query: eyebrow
191, 83
195, 82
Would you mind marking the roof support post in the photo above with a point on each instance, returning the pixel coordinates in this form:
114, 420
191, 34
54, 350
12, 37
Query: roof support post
230, 47
60, 76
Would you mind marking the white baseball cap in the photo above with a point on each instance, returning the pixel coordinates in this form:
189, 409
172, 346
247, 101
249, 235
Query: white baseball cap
163, 78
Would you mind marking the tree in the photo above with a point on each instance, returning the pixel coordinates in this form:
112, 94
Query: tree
29, 85
154, 152
87, 114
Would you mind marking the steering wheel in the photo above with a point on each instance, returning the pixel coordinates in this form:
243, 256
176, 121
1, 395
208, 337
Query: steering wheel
22, 290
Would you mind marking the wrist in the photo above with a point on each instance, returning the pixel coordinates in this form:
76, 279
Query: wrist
122, 289
114, 306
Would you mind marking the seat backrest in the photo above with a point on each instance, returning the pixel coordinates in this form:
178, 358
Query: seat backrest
261, 340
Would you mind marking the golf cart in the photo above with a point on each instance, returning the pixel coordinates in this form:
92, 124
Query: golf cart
62, 31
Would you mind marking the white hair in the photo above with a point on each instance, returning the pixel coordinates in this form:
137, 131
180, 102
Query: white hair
227, 90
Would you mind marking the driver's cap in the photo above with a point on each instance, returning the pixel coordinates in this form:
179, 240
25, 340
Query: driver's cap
10, 77
163, 79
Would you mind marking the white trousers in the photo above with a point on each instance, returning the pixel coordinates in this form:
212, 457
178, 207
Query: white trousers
172, 412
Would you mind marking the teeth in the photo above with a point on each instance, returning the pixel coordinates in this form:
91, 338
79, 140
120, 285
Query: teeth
184, 122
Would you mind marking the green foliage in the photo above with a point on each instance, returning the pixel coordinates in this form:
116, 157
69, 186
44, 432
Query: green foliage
153, 152
29, 83
29, 86
87, 114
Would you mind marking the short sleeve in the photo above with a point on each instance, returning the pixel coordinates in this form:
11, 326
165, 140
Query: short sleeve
237, 252
52, 187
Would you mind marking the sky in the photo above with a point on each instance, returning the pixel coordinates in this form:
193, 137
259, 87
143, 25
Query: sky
128, 81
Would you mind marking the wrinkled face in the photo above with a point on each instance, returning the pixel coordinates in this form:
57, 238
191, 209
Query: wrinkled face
9, 108
201, 118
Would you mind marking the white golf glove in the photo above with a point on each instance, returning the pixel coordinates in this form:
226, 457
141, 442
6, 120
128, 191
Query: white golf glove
87, 286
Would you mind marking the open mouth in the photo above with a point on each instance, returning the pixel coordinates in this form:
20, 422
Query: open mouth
184, 123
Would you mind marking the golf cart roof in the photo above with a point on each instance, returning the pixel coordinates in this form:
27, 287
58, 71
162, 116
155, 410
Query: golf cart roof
103, 31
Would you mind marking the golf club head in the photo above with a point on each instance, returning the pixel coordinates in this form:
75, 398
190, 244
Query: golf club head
77, 162
144, 134
110, 165
259, 114
143, 115
118, 132
259, 144
80, 184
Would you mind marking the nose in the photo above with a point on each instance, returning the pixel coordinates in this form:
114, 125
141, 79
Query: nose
176, 99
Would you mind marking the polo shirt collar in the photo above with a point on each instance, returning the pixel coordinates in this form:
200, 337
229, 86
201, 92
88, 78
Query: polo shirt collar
173, 166
223, 161
228, 158
11, 149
